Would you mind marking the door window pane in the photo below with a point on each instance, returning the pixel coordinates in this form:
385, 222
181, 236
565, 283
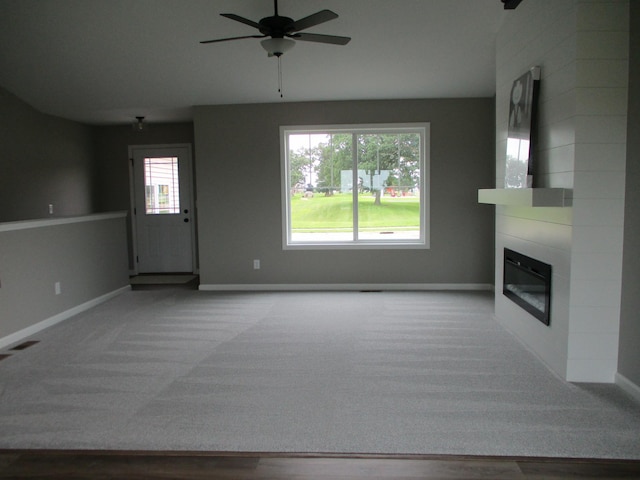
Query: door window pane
162, 188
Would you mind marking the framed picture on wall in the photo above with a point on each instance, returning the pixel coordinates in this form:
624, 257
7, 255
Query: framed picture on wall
521, 138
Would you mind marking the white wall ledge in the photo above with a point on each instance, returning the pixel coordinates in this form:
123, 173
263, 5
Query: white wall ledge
527, 197
48, 222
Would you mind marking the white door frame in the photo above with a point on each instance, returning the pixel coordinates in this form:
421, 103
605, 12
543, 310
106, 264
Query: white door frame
132, 198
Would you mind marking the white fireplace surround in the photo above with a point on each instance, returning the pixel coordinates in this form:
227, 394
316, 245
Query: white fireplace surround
575, 220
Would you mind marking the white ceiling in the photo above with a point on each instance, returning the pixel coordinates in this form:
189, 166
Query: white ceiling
107, 61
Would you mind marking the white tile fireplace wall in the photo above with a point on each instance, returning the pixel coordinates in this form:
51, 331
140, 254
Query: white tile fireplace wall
582, 48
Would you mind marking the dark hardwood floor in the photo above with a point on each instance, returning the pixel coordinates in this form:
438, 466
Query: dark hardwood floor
177, 465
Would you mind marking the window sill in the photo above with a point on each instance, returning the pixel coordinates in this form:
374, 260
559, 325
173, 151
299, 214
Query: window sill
356, 246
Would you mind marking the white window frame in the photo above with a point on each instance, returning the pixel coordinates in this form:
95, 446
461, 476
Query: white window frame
423, 129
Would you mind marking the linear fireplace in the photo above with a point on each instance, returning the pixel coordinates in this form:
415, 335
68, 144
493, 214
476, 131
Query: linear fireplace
527, 282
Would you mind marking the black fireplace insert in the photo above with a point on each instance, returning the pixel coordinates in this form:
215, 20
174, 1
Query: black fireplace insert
527, 282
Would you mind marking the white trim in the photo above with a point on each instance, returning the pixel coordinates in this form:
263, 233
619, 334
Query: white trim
49, 222
49, 322
346, 286
422, 128
628, 386
132, 218
359, 245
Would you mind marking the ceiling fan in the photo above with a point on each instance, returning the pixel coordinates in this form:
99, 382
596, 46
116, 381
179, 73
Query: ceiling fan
282, 29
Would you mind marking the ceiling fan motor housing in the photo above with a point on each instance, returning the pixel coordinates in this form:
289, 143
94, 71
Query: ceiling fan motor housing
276, 27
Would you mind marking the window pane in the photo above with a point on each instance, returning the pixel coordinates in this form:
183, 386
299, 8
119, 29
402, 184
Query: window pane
162, 188
321, 198
389, 186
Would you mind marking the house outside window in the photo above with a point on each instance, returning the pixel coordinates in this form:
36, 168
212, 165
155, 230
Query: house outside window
162, 187
355, 186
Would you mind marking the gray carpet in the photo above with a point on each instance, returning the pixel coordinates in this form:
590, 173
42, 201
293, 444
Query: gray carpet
390, 372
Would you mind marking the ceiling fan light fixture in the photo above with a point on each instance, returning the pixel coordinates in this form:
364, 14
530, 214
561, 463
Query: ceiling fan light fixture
277, 46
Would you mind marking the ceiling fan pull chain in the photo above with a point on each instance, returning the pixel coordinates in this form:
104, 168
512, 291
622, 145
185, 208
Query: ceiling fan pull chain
280, 76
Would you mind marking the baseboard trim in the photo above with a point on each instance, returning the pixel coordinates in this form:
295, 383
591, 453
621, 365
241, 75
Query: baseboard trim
346, 286
49, 322
628, 386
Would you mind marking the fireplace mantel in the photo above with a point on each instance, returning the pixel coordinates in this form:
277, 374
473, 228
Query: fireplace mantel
527, 197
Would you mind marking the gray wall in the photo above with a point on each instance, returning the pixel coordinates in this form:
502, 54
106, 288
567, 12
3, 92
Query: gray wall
78, 168
45, 160
87, 257
112, 158
629, 354
239, 199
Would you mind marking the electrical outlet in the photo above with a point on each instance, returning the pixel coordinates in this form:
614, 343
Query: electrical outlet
57, 288
256, 264
51, 209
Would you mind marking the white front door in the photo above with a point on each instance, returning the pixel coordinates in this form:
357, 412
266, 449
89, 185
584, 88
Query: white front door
163, 213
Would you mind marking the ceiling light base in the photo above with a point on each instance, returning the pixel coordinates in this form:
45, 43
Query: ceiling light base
138, 125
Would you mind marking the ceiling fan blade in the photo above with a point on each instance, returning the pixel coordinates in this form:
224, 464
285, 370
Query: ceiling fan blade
240, 19
315, 19
232, 38
315, 37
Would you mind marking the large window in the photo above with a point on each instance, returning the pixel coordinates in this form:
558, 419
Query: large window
355, 186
